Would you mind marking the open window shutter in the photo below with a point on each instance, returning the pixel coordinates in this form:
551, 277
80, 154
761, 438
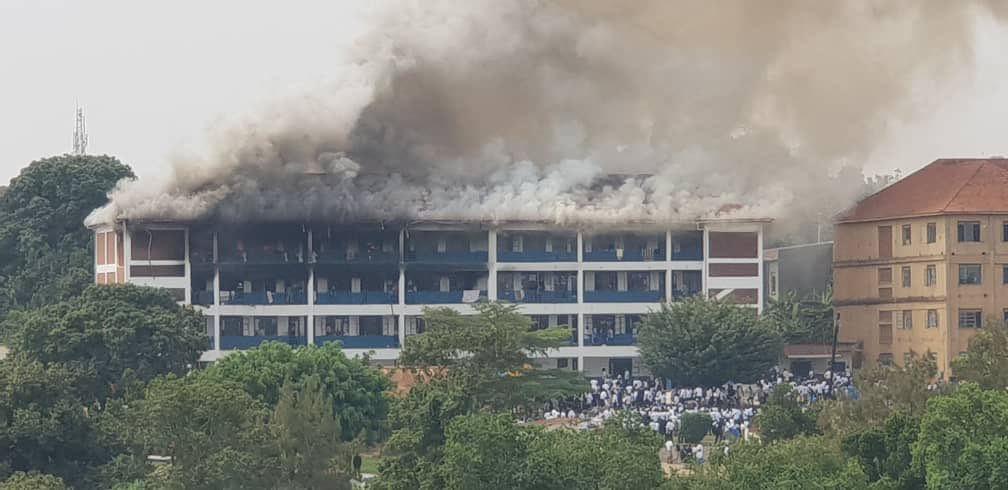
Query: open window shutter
444, 284
355, 285
589, 278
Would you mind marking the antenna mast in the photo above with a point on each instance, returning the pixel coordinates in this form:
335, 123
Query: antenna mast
80, 140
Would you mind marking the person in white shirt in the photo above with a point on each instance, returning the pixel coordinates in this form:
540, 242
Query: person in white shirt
698, 453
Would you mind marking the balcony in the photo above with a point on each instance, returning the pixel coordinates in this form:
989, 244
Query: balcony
361, 341
679, 295
688, 254
624, 296
362, 298
268, 298
602, 338
507, 256
202, 298
233, 342
628, 255
439, 297
359, 258
538, 296
452, 258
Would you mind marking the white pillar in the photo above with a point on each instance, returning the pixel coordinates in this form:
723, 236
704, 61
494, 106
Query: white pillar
759, 269
492, 265
127, 252
706, 262
310, 291
188, 269
216, 303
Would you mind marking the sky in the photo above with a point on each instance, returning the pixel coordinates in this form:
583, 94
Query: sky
154, 76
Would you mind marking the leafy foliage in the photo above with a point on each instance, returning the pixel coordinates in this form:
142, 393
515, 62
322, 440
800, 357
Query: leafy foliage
695, 425
783, 418
358, 391
32, 481
796, 464
963, 440
115, 333
885, 453
808, 321
46, 254
43, 426
883, 391
986, 361
701, 342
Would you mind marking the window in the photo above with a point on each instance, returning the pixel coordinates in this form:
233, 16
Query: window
932, 319
1004, 315
885, 293
1004, 273
885, 327
905, 272
931, 276
885, 359
563, 363
970, 318
885, 275
1004, 231
906, 234
969, 231
907, 319
932, 232
773, 284
969, 274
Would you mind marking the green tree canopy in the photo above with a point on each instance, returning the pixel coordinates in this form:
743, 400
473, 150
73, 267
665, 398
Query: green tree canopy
883, 391
358, 391
963, 441
213, 431
707, 343
32, 481
783, 418
885, 453
808, 321
112, 331
43, 426
986, 360
492, 355
46, 254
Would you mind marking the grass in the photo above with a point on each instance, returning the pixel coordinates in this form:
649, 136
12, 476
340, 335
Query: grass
369, 463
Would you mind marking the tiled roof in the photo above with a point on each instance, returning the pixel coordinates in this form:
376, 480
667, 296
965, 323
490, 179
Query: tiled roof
946, 186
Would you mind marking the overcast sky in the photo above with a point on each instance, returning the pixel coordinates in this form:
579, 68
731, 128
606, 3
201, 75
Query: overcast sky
152, 76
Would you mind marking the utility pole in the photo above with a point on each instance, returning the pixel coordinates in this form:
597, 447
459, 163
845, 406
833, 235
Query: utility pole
80, 136
832, 360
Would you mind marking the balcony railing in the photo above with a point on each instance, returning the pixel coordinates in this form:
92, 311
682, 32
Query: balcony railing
439, 297
361, 341
602, 338
448, 258
292, 257
508, 256
362, 298
678, 295
268, 298
624, 296
628, 255
203, 298
538, 296
688, 254
232, 342
377, 258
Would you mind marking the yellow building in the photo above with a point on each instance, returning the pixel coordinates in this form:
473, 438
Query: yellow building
921, 265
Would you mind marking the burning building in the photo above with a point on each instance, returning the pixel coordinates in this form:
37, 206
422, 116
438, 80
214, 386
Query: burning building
366, 284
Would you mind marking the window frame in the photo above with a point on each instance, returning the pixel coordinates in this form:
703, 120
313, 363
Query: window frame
930, 275
907, 235
975, 315
932, 314
907, 319
975, 237
979, 275
931, 232
906, 276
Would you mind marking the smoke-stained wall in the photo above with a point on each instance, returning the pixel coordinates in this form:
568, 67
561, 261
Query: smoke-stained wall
496, 110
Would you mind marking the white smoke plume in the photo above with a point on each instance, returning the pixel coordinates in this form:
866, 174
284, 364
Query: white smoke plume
496, 110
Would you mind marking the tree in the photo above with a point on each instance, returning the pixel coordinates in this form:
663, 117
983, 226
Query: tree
32, 481
963, 441
43, 426
213, 432
986, 360
491, 354
885, 453
307, 449
46, 254
808, 321
358, 391
112, 332
796, 464
783, 418
695, 425
707, 343
882, 392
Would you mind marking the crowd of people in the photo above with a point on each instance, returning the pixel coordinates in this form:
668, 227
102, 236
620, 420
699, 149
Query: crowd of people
661, 406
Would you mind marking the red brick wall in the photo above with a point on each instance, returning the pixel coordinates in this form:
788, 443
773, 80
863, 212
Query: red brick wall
163, 244
734, 245
733, 270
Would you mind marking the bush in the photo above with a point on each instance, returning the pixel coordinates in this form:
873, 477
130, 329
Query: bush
694, 427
